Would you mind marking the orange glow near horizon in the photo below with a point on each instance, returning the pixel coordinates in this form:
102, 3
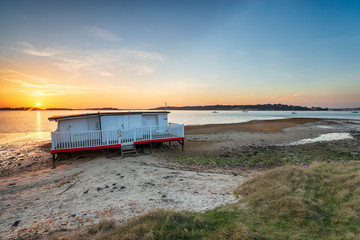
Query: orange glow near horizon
148, 100
20, 89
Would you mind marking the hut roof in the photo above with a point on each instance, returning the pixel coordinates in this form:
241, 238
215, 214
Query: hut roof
82, 115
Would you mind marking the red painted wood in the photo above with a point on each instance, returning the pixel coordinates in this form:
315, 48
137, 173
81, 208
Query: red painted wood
84, 149
116, 145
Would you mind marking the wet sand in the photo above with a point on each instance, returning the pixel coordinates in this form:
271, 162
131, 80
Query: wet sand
227, 140
24, 152
266, 126
87, 188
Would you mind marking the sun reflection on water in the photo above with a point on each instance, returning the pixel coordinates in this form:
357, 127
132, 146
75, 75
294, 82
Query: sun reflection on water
38, 121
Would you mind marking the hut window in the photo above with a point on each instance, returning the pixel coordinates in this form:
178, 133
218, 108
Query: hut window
97, 125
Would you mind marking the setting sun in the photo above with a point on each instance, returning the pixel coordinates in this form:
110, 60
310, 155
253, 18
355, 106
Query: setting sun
37, 104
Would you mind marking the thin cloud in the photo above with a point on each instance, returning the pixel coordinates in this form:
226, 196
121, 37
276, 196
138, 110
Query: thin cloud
97, 61
106, 74
104, 34
46, 87
142, 55
30, 50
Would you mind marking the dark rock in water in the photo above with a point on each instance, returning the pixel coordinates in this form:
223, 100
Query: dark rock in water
163, 196
235, 174
73, 215
86, 191
16, 223
122, 187
106, 186
114, 184
98, 188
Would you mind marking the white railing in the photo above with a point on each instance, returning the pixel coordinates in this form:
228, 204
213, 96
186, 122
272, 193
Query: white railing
96, 138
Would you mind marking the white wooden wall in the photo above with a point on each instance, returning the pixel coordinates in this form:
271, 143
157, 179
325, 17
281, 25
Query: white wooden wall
121, 122
79, 124
117, 122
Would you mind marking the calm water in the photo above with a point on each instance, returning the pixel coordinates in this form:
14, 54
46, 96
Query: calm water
37, 121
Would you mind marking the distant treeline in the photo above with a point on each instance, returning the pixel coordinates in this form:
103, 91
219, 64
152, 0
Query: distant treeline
258, 107
36, 108
21, 108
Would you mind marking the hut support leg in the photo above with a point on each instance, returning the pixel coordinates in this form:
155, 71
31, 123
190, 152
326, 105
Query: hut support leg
182, 144
53, 160
119, 151
107, 153
150, 148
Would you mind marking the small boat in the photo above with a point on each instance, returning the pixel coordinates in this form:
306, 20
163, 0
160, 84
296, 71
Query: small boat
214, 112
355, 112
293, 113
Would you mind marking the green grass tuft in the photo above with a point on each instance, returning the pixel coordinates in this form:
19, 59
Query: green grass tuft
320, 202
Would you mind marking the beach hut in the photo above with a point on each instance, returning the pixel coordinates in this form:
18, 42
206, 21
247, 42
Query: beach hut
123, 130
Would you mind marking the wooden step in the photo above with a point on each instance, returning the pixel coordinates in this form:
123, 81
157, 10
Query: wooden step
128, 150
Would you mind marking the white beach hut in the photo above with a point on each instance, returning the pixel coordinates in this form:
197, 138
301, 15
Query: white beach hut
80, 132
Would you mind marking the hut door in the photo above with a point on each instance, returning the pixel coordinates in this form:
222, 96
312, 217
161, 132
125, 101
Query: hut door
125, 122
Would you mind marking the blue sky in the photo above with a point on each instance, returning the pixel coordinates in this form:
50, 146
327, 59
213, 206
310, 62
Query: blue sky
137, 54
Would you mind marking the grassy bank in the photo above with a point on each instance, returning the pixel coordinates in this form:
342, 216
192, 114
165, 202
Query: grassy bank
270, 156
291, 202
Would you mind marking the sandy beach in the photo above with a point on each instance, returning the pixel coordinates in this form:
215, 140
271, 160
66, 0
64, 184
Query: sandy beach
87, 188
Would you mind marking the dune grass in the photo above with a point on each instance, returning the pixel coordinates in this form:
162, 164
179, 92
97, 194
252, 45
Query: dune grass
290, 202
320, 202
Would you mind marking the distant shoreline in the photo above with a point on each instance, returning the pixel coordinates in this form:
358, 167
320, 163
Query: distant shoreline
258, 107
